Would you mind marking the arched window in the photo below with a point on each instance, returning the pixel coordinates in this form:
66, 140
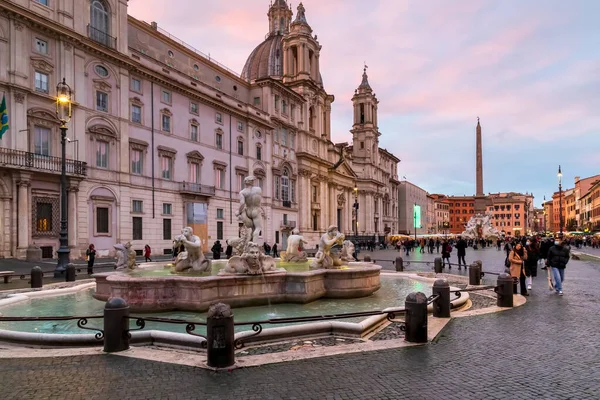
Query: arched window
99, 22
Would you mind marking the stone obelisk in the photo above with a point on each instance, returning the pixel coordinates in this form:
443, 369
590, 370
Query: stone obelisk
480, 198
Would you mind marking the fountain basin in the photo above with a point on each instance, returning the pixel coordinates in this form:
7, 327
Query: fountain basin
197, 293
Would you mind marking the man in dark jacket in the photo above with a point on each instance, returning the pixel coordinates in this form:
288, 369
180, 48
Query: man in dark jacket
558, 257
461, 251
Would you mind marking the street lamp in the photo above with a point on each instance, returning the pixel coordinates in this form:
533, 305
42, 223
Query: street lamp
415, 217
63, 113
560, 211
355, 212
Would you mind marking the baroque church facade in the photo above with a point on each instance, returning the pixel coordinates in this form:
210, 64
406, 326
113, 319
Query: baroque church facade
162, 136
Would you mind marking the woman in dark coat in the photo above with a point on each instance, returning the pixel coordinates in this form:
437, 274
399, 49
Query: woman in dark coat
533, 255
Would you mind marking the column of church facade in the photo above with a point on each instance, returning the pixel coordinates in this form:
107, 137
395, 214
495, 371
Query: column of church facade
23, 215
332, 205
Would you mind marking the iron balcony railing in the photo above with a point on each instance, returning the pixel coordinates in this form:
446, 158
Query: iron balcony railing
288, 224
38, 162
101, 37
197, 188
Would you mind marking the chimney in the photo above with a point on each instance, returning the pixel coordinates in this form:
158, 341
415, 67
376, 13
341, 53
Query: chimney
154, 25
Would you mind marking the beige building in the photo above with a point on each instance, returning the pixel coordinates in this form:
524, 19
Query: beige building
162, 136
512, 213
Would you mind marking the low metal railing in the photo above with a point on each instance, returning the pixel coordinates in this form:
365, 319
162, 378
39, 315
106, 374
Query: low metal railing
101, 37
26, 159
81, 322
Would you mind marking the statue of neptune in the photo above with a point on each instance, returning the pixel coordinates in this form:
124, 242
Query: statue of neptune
249, 212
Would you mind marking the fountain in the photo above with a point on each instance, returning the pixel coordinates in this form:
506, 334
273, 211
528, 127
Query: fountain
249, 277
480, 227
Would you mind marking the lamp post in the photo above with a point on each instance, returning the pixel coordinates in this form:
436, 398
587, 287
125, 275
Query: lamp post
560, 211
415, 218
63, 113
355, 212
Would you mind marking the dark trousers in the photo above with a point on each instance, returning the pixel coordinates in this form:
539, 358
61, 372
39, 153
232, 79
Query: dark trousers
461, 259
522, 283
90, 268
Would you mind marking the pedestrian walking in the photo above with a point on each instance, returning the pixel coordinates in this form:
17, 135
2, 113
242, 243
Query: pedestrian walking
446, 250
147, 253
217, 249
517, 258
461, 251
558, 257
274, 249
533, 255
228, 250
90, 257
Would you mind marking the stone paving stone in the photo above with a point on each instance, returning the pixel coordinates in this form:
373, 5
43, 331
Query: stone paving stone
546, 349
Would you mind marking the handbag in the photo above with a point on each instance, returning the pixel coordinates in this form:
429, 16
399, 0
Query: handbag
87, 258
507, 262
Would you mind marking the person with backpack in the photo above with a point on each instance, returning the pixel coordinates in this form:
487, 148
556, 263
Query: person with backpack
217, 249
461, 251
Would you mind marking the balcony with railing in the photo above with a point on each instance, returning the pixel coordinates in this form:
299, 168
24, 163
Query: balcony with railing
101, 37
196, 189
18, 159
287, 224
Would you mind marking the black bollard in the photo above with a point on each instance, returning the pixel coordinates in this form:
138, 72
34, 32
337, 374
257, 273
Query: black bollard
70, 273
399, 264
504, 290
474, 274
37, 277
116, 325
438, 265
441, 305
367, 259
220, 351
416, 318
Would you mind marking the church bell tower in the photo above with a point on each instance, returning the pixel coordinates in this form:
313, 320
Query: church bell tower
365, 133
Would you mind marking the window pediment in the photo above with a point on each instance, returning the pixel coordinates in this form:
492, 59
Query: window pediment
166, 111
195, 156
164, 151
102, 85
219, 131
241, 170
42, 65
100, 132
137, 101
137, 144
259, 173
43, 117
219, 164
194, 121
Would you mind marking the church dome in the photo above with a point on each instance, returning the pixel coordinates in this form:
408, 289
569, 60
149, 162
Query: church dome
266, 60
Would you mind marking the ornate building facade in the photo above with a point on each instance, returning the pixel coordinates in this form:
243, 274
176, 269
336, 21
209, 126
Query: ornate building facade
162, 136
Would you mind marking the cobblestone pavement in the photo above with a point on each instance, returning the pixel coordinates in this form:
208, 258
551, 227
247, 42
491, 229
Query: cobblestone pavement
546, 349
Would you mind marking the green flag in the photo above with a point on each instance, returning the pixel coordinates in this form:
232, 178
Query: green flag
3, 117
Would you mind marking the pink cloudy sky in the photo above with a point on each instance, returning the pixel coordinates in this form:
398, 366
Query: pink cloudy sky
530, 70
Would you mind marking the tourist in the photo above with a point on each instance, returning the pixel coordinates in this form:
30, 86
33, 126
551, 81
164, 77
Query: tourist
275, 254
533, 255
558, 257
90, 256
217, 249
446, 250
498, 244
228, 250
437, 245
461, 251
147, 253
517, 257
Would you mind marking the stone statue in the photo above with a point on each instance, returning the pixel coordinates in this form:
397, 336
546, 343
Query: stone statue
347, 251
125, 256
250, 211
480, 227
192, 257
252, 262
324, 259
295, 247
238, 244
